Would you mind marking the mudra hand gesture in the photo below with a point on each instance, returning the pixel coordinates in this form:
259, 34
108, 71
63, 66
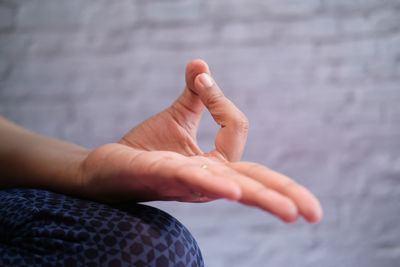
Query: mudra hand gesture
160, 159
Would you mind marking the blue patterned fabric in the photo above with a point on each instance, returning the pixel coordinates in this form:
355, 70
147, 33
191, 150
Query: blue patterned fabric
43, 228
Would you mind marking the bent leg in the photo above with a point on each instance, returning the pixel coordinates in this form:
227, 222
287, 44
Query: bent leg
40, 227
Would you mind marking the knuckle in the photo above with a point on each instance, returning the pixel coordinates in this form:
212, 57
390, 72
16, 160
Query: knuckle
288, 185
214, 100
255, 168
258, 190
241, 124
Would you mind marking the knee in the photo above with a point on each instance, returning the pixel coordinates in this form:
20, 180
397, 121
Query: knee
79, 232
152, 237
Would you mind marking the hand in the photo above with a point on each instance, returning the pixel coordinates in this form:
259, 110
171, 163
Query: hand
160, 159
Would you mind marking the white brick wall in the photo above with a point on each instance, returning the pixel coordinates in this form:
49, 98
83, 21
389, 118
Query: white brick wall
319, 81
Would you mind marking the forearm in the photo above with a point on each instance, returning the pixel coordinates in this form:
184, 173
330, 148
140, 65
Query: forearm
31, 160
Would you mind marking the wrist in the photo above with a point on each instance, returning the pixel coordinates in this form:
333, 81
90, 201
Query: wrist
71, 178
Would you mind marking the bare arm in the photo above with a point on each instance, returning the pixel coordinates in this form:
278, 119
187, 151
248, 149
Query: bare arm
31, 160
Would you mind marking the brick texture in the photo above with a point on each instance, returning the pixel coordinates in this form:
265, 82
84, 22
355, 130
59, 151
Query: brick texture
319, 81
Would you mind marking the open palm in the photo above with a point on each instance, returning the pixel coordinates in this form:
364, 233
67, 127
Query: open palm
160, 159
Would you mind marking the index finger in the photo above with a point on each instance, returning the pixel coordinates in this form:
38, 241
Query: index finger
231, 138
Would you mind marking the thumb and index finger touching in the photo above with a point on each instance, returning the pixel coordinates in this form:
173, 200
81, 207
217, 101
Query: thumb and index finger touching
231, 138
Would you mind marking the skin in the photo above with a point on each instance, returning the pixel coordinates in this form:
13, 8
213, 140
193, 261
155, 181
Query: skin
159, 160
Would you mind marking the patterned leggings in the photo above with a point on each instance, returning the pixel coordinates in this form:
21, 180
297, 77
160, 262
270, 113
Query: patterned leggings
43, 228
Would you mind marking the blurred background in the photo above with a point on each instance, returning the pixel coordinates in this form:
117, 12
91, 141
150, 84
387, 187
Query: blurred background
319, 81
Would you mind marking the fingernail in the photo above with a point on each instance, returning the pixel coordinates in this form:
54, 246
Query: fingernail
206, 80
237, 193
316, 215
293, 213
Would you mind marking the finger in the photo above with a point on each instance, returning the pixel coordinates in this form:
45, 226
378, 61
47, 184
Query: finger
188, 107
176, 175
231, 138
256, 194
205, 183
306, 202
